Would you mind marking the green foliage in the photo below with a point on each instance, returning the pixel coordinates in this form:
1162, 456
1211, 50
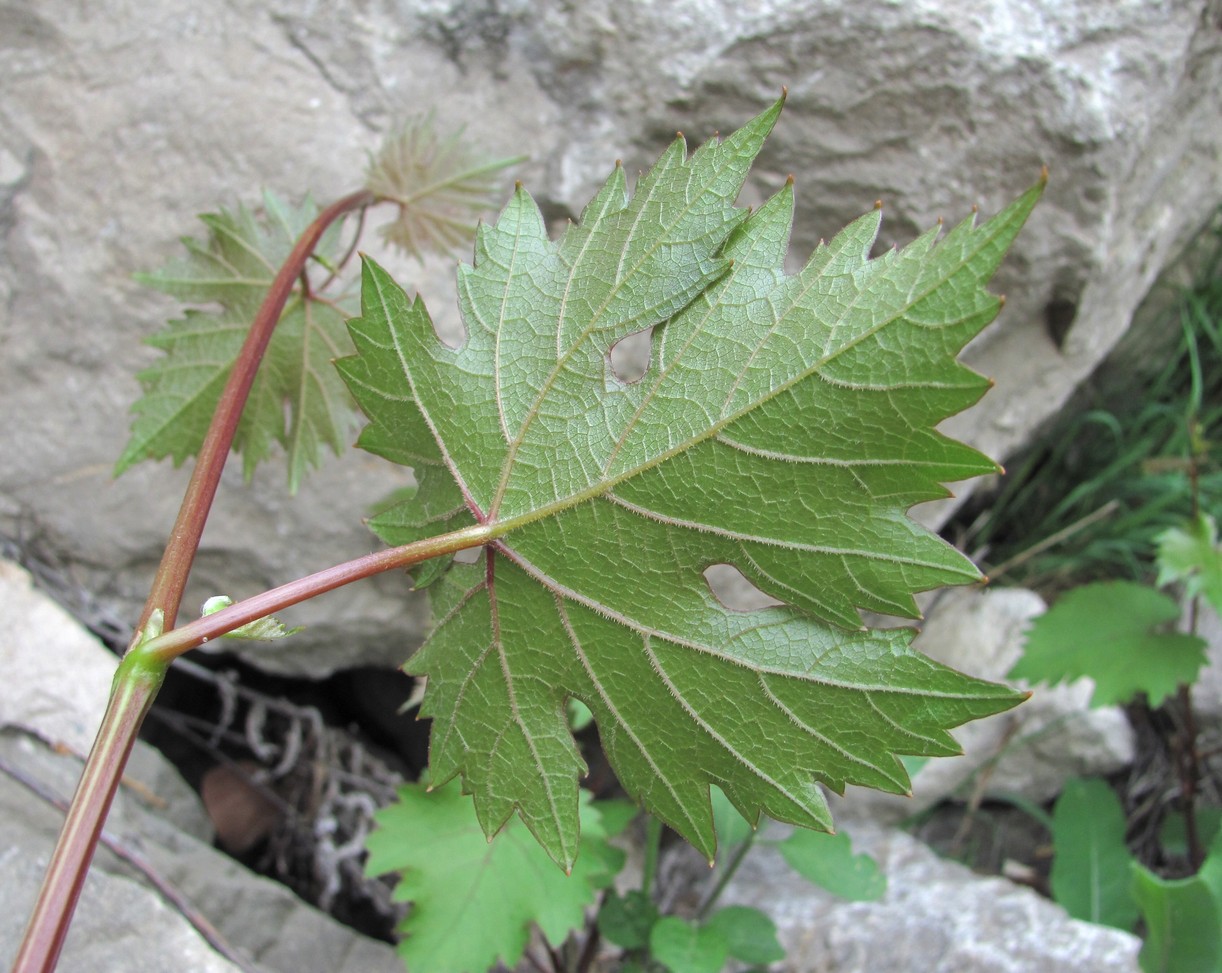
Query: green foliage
1192, 557
627, 920
1091, 865
785, 425
1183, 918
1112, 632
298, 400
750, 936
688, 947
827, 860
475, 899
1108, 477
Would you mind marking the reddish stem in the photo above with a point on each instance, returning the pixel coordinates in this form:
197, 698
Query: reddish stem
139, 675
136, 684
165, 648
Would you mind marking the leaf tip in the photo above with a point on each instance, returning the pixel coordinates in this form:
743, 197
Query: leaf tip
789, 181
1043, 175
878, 204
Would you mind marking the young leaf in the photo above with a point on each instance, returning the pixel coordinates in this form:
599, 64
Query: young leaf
297, 399
827, 860
1091, 865
1193, 557
474, 899
440, 183
749, 934
784, 426
1109, 631
265, 629
685, 947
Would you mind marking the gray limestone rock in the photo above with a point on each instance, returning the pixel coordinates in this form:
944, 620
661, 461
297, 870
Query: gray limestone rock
56, 680
937, 917
120, 122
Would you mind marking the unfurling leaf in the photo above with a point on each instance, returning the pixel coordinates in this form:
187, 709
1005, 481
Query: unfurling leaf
440, 183
265, 629
1111, 632
474, 900
297, 399
784, 425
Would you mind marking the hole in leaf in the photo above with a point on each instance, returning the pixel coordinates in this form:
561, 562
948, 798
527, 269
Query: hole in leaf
734, 591
468, 555
630, 356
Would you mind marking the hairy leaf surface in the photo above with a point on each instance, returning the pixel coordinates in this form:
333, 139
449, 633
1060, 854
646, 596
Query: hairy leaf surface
784, 425
297, 401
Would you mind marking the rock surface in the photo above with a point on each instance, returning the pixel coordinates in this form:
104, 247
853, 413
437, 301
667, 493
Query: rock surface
118, 124
937, 916
1032, 749
121, 924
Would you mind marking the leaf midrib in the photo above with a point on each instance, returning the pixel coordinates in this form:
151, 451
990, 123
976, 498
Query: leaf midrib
507, 465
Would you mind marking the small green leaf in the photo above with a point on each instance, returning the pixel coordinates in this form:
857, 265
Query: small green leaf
474, 900
1194, 557
750, 935
626, 920
1109, 631
686, 947
828, 861
1091, 865
265, 629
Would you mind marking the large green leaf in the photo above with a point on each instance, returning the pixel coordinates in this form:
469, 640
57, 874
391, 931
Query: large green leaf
297, 401
784, 425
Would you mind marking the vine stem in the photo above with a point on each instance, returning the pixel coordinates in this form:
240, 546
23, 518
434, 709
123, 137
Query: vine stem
132, 693
140, 674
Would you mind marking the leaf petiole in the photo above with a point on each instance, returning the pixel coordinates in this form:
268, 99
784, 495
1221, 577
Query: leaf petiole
165, 648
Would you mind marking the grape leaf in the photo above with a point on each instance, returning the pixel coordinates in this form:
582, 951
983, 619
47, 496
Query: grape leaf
474, 899
1109, 631
298, 400
784, 425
